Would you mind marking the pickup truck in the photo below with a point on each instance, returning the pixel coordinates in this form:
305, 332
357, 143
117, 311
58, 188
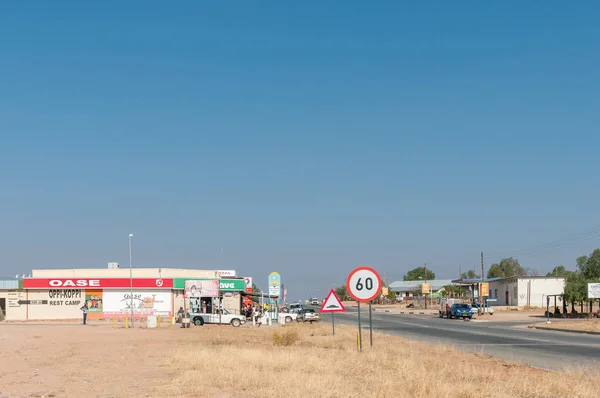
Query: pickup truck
225, 318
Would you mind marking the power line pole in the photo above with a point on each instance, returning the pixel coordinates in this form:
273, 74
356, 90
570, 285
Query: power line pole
425, 294
460, 271
482, 279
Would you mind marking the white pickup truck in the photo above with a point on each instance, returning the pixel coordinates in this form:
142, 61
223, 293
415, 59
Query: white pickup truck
225, 318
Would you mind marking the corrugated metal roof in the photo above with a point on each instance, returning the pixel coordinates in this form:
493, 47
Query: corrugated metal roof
9, 283
408, 286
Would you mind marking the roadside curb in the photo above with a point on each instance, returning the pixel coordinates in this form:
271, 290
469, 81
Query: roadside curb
563, 330
405, 312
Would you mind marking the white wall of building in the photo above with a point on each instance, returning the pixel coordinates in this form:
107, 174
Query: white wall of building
526, 291
58, 304
14, 311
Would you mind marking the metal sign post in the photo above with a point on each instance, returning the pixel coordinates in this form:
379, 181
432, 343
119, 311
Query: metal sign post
333, 324
370, 323
359, 330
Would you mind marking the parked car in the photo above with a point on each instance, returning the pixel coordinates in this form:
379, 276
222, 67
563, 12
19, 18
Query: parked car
226, 318
445, 304
308, 315
486, 308
461, 310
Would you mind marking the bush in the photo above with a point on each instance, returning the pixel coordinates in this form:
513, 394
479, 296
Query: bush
286, 339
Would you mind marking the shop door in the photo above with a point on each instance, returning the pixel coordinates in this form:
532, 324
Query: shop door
506, 298
2, 308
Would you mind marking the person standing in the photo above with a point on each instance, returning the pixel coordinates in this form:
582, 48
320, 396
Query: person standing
84, 309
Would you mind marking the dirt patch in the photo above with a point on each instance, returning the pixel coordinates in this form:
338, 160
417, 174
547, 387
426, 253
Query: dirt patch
580, 325
221, 361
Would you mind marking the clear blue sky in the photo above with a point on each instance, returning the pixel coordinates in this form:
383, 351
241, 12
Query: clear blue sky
301, 138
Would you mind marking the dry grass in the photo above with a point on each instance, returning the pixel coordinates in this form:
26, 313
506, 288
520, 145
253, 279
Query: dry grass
583, 325
247, 362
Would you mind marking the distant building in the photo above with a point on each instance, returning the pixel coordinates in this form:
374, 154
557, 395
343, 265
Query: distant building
50, 294
526, 291
405, 289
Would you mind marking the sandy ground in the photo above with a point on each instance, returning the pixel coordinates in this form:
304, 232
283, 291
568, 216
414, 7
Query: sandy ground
73, 360
591, 325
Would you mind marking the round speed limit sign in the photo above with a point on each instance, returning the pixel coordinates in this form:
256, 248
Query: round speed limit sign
364, 284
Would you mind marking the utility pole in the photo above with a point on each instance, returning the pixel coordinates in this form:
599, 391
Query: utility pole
425, 277
459, 277
480, 295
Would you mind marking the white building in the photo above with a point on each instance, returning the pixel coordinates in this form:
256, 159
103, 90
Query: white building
527, 291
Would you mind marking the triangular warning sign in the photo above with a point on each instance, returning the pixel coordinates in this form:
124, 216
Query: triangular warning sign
332, 303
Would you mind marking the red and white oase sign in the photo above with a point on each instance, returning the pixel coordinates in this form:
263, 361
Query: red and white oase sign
96, 283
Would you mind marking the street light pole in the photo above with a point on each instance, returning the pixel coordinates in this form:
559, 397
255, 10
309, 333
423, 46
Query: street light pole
131, 282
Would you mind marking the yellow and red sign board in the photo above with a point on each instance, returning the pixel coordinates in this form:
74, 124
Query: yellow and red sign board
425, 288
484, 289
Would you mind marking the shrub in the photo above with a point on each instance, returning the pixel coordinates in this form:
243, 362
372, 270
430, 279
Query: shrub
286, 339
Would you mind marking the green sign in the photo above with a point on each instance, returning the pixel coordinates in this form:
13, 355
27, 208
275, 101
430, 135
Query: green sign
225, 285
232, 285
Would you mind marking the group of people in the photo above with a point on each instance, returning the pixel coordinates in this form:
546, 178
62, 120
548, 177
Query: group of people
253, 311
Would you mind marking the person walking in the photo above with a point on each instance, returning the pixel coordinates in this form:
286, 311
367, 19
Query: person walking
84, 309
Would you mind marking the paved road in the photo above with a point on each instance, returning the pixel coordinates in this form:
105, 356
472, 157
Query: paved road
505, 340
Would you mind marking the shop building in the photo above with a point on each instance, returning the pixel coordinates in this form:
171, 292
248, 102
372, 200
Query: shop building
60, 293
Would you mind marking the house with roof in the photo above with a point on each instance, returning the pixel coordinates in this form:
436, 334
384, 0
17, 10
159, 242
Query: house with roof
405, 289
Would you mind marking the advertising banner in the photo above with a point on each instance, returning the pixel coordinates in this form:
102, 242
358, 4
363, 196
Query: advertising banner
93, 299
202, 288
97, 283
150, 302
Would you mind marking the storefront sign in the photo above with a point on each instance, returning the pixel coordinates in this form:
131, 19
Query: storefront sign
231, 285
97, 283
202, 288
64, 297
227, 285
151, 302
225, 274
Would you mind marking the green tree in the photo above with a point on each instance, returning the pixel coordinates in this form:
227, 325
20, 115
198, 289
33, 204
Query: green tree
506, 268
559, 271
575, 288
255, 290
589, 266
419, 273
342, 293
470, 274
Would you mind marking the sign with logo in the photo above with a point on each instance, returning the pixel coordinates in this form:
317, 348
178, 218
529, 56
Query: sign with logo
593, 290
425, 288
248, 283
274, 284
332, 303
364, 284
97, 283
144, 303
232, 285
248, 289
226, 273
202, 288
485, 289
